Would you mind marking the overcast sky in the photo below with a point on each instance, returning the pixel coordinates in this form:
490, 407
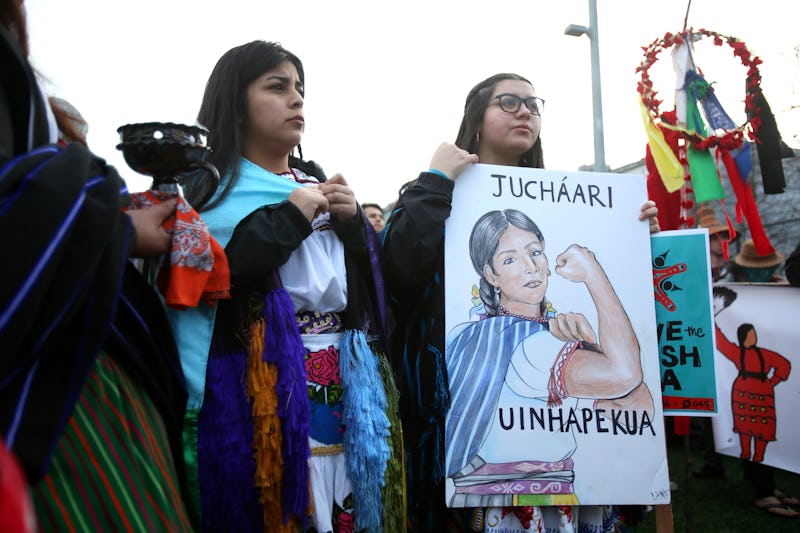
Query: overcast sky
386, 81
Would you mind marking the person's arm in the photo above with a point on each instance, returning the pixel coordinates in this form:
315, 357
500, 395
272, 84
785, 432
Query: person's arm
781, 365
353, 234
639, 399
263, 241
726, 347
413, 238
612, 368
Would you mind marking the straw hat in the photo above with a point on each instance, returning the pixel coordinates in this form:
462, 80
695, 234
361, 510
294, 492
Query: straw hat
707, 218
748, 257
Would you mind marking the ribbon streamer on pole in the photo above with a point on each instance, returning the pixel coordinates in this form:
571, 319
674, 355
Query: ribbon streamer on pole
708, 153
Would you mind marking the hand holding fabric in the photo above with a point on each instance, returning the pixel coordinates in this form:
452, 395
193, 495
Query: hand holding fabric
341, 200
198, 267
309, 200
151, 239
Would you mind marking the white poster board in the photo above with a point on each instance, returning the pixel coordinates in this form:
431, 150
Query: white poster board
504, 444
767, 431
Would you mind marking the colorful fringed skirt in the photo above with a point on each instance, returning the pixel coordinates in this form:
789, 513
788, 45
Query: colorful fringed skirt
332, 496
112, 469
240, 439
334, 499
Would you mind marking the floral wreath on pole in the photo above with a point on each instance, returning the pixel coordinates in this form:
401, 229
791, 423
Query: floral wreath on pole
665, 159
731, 139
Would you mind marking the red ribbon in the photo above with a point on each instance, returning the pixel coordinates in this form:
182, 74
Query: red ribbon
680, 425
745, 205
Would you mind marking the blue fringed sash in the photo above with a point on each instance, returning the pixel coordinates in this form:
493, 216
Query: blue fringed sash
366, 436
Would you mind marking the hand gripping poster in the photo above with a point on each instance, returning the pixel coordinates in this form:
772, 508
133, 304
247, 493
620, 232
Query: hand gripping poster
551, 352
758, 385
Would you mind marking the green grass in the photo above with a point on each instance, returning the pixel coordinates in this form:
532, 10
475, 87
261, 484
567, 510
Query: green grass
721, 505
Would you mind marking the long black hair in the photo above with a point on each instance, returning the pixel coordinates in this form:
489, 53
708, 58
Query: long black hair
477, 101
741, 334
467, 139
483, 243
224, 113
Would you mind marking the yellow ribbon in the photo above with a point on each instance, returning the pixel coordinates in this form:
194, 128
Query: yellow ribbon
669, 168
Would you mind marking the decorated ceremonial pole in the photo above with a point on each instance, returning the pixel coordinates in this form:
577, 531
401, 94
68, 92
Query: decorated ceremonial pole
686, 155
691, 150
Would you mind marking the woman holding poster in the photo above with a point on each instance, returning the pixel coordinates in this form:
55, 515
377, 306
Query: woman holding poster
501, 126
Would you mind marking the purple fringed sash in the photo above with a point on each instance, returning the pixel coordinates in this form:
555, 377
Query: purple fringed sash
375, 255
284, 348
225, 448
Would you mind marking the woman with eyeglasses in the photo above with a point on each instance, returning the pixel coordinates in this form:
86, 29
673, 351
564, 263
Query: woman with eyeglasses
501, 126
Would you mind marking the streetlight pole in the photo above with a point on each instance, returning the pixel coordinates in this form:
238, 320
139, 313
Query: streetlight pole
597, 101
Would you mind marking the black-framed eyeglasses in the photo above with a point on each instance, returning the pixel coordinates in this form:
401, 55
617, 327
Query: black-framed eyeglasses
510, 103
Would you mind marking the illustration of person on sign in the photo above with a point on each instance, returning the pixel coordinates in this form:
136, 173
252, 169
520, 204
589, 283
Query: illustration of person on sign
521, 355
753, 391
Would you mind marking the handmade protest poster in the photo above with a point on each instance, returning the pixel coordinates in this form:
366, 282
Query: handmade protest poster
757, 379
551, 349
685, 323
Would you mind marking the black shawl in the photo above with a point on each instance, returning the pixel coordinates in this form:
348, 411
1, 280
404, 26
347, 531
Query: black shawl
67, 289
